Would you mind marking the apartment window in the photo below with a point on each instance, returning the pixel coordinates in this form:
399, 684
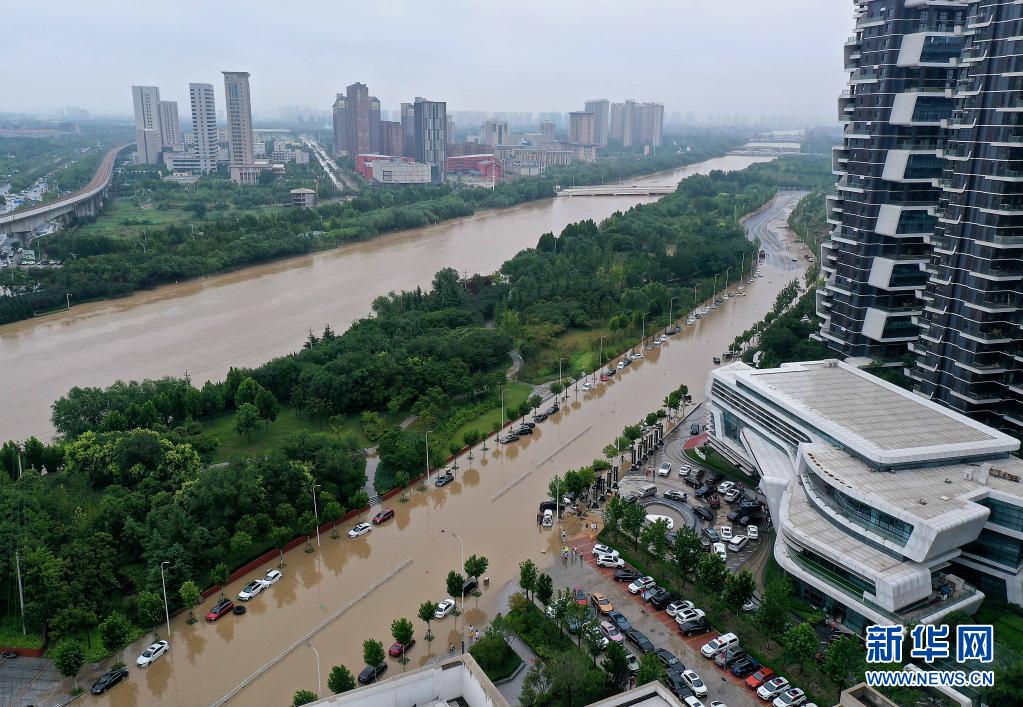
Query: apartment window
890, 525
1005, 514
997, 548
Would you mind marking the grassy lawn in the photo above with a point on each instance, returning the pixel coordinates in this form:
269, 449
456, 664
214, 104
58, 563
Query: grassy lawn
109, 222
11, 636
500, 667
718, 463
1008, 623
235, 446
580, 347
516, 395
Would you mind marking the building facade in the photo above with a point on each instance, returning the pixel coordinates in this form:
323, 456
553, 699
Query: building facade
582, 128
601, 109
148, 138
374, 124
431, 129
400, 171
889, 508
239, 117
340, 124
358, 120
495, 132
170, 125
547, 131
408, 130
303, 198
392, 138
205, 142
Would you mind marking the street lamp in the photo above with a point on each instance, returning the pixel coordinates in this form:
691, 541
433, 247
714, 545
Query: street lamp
503, 391
166, 608
643, 334
69, 299
671, 303
317, 653
462, 614
428, 456
560, 379
557, 496
316, 513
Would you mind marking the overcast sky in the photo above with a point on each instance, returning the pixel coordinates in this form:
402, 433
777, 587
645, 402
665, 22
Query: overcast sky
707, 56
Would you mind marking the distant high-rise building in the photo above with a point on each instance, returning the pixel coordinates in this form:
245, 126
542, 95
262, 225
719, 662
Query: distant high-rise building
547, 130
431, 135
358, 120
408, 129
391, 138
374, 124
170, 125
450, 131
239, 117
148, 140
622, 122
204, 127
582, 128
340, 116
601, 109
495, 132
649, 124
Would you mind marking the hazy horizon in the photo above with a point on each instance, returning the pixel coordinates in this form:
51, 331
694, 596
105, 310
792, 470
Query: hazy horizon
746, 57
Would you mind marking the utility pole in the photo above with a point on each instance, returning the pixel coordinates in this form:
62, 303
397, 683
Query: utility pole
317, 514
166, 607
671, 302
21, 590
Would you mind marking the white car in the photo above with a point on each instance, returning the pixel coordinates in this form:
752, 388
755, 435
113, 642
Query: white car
680, 605
732, 494
636, 356
444, 608
621, 365
725, 531
726, 486
599, 549
772, 687
152, 653
793, 697
750, 605
717, 703
719, 550
737, 543
752, 532
683, 471
695, 683
586, 386
272, 577
690, 701
641, 584
610, 561
252, 589
360, 529
664, 469
684, 615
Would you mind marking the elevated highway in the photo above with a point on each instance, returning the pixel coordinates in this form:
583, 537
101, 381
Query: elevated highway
619, 190
87, 201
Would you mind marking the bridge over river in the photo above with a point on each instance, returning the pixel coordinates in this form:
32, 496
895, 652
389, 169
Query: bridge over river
620, 190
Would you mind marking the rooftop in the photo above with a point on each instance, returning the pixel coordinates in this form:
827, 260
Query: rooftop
877, 419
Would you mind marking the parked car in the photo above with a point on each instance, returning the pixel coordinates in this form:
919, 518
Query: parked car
695, 683
688, 615
664, 469
398, 649
640, 585
670, 661
711, 535
108, 679
370, 673
360, 529
221, 608
691, 701
747, 519
704, 491
443, 479
677, 606
729, 655
619, 620
609, 561
694, 626
470, 586
152, 653
252, 589
600, 549
738, 543
744, 667
732, 495
523, 430
272, 577
661, 599
602, 603
587, 386
714, 501
694, 429
625, 575
762, 675
726, 486
632, 661
704, 513
793, 697
752, 532
444, 608
639, 639
552, 409
677, 685
725, 532
383, 516
773, 687
649, 593
508, 438
714, 646
611, 632
719, 550
674, 495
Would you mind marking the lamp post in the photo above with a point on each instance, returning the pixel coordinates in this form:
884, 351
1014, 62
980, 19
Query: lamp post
643, 334
727, 270
600, 356
462, 612
166, 607
560, 379
316, 513
69, 298
317, 654
557, 496
503, 391
428, 456
671, 303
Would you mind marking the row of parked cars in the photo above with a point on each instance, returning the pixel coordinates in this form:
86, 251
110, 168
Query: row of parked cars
526, 428
725, 650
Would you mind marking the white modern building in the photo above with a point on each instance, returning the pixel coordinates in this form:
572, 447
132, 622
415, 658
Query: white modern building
395, 171
170, 125
148, 139
204, 127
239, 126
888, 508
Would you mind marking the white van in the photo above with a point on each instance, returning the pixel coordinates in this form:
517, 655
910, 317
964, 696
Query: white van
548, 518
712, 648
737, 543
652, 518
647, 490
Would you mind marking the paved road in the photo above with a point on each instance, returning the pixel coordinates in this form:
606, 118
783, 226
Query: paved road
770, 227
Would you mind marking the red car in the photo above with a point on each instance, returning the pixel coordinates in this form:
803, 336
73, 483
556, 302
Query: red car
383, 516
603, 377
397, 649
221, 609
759, 678
580, 596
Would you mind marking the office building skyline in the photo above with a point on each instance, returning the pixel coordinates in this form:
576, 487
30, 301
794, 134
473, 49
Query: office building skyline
205, 142
431, 135
601, 109
170, 125
582, 128
148, 138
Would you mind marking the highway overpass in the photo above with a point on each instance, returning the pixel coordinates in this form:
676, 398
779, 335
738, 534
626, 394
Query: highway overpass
87, 201
620, 190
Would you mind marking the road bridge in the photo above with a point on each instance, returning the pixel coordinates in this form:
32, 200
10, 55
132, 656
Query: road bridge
619, 190
87, 201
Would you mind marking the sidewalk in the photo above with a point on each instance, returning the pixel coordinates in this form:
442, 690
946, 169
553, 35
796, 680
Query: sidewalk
512, 688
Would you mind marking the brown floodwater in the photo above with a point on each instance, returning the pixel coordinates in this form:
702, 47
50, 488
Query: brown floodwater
491, 506
203, 327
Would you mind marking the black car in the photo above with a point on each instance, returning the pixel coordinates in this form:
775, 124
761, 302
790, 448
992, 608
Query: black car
619, 620
540, 416
630, 497
704, 512
108, 679
694, 429
626, 575
749, 505
711, 535
676, 495
678, 686
726, 657
672, 663
370, 673
734, 515
470, 585
746, 520
640, 640
530, 425
523, 430
693, 627
704, 491
744, 667
552, 409
509, 438
661, 599
444, 479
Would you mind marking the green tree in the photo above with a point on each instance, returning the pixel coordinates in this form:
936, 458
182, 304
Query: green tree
340, 680
426, 611
475, 566
472, 437
739, 589
149, 609
844, 661
1008, 685
544, 588
220, 576
800, 643
402, 630
773, 613
267, 406
303, 697
633, 518
556, 488
248, 391
614, 513
69, 657
594, 640
655, 536
114, 632
527, 577
712, 572
534, 402
372, 652
279, 538
402, 480
651, 668
454, 584
686, 550
616, 664
190, 597
246, 419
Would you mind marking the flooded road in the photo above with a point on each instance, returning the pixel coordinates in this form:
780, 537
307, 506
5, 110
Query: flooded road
244, 318
491, 506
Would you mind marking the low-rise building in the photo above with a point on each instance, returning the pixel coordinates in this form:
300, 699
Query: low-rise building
483, 166
303, 198
248, 174
539, 157
399, 171
889, 508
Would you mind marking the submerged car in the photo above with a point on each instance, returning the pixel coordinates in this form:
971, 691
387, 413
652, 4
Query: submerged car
150, 654
108, 679
360, 529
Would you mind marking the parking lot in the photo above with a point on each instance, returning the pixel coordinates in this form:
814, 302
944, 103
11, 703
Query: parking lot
25, 681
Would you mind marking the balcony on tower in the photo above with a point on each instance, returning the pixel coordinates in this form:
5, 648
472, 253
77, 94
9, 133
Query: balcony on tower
901, 221
912, 166
900, 274
930, 49
928, 107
